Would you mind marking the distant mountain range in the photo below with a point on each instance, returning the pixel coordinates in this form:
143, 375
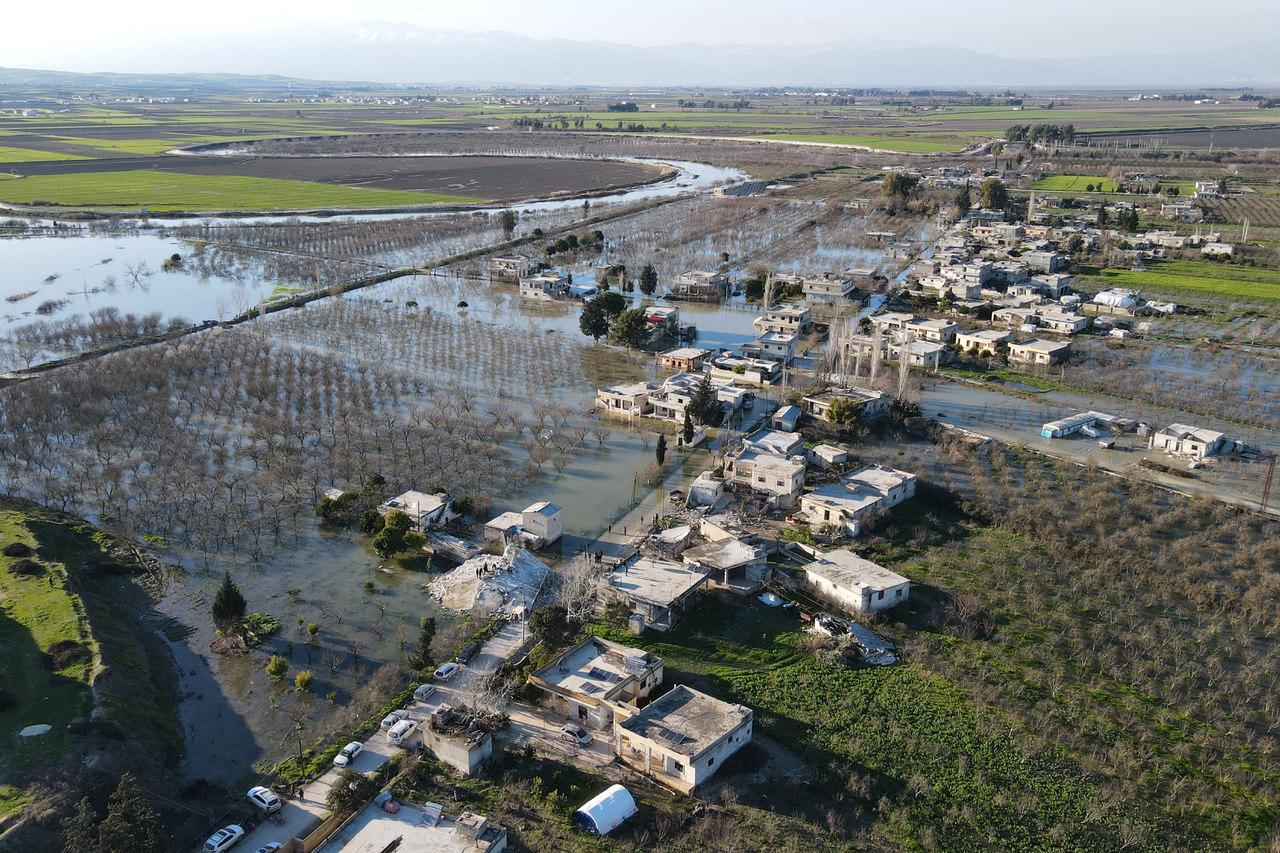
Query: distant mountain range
403, 54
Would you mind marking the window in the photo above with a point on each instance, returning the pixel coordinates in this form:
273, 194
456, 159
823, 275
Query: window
711, 761
880, 595
897, 593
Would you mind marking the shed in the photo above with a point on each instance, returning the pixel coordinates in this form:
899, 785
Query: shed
606, 811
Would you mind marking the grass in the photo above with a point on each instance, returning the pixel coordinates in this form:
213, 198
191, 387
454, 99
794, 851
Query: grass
1075, 183
945, 769
914, 144
35, 613
1198, 277
175, 191
30, 155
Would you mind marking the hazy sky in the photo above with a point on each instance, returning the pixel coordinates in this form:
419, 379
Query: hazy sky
54, 34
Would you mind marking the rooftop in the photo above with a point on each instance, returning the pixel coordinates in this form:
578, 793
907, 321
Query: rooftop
543, 508
725, 554
686, 721
1037, 345
879, 478
654, 580
846, 569
837, 496
1208, 436
372, 829
595, 667
685, 352
986, 334
415, 503
772, 441
631, 389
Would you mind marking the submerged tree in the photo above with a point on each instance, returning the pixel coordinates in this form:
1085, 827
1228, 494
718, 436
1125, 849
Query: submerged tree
228, 605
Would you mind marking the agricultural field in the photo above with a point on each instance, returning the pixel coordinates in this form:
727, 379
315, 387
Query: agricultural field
1201, 278
1075, 183
901, 144
174, 191
29, 155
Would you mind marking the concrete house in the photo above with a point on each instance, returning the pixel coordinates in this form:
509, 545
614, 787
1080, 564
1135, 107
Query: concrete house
1061, 322
856, 584
786, 419
454, 737
774, 346
682, 738
786, 319
869, 404
830, 288
424, 510
542, 523
925, 354
587, 683
627, 400
826, 455
845, 504
934, 331
1039, 352
982, 341
700, 286
509, 267
891, 321
546, 286
730, 563
740, 368
1192, 442
659, 592
1046, 262
776, 479
689, 359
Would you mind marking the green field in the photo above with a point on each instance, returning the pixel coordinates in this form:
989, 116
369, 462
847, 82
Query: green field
35, 613
30, 155
1199, 277
917, 144
170, 191
1075, 183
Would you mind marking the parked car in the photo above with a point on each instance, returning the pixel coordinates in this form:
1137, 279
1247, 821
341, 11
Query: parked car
270, 847
224, 839
348, 753
264, 798
470, 651
424, 691
575, 734
401, 731
446, 671
394, 717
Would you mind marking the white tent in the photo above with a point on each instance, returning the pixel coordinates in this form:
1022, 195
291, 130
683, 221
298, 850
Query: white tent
1117, 298
604, 812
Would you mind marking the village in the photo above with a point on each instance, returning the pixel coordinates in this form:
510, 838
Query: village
769, 515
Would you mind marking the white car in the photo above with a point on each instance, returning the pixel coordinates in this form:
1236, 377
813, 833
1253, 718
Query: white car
224, 839
575, 734
348, 753
446, 671
401, 731
394, 717
424, 691
264, 798
270, 847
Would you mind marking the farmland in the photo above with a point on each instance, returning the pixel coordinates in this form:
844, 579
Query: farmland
902, 144
1199, 278
28, 155
1075, 183
175, 191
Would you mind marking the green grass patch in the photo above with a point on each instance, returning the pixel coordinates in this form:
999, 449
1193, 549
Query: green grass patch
1075, 183
1198, 277
170, 191
31, 155
914, 144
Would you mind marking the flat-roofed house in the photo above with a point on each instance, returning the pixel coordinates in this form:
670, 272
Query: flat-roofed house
829, 287
1062, 322
1189, 441
777, 479
1039, 352
545, 286
684, 358
787, 318
868, 403
424, 510
854, 583
774, 346
628, 400
659, 592
700, 286
542, 522
939, 331
730, 563
982, 341
588, 682
846, 503
512, 267
924, 354
682, 738
891, 321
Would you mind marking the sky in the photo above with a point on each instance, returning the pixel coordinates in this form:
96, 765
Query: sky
63, 35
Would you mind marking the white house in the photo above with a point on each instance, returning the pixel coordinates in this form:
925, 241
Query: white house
868, 403
542, 522
779, 480
512, 267
982, 341
628, 400
1192, 442
775, 346
424, 510
1039, 352
829, 287
588, 683
846, 503
935, 331
682, 738
659, 592
544, 286
787, 319
856, 584
700, 286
